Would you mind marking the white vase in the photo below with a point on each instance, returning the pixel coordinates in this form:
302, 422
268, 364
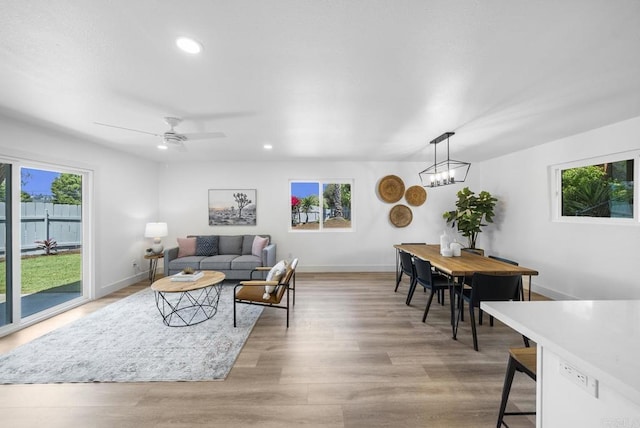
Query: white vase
456, 249
445, 242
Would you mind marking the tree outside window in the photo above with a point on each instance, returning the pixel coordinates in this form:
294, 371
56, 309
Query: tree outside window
602, 190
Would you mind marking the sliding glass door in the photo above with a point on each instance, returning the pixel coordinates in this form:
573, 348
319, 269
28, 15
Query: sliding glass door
51, 239
6, 294
42, 242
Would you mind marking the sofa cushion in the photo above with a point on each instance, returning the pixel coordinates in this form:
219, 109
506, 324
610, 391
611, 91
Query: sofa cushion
231, 244
247, 244
186, 247
258, 245
207, 245
219, 262
247, 262
184, 262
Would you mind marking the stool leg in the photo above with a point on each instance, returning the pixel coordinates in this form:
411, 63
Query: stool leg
508, 380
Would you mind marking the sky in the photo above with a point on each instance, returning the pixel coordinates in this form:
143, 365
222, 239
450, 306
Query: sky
37, 181
303, 189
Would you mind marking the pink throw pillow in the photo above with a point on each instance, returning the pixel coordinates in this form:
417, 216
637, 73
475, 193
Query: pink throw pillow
258, 245
186, 247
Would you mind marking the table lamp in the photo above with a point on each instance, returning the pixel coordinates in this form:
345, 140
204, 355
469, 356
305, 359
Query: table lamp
156, 231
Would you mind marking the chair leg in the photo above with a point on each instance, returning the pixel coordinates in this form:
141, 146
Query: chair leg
293, 281
472, 320
398, 281
287, 306
426, 310
457, 320
508, 380
234, 309
412, 289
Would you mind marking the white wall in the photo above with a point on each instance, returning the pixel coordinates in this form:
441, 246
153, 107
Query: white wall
183, 204
125, 196
574, 260
585, 261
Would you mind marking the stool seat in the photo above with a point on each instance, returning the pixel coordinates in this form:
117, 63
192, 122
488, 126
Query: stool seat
523, 360
527, 357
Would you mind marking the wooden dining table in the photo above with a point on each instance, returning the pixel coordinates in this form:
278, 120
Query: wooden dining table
459, 268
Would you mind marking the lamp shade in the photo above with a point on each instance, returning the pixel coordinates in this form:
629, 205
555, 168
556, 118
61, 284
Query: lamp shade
156, 230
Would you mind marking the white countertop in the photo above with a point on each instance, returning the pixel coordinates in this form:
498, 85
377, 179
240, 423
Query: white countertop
600, 336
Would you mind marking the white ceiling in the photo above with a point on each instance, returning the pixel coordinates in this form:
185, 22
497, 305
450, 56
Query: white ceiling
322, 79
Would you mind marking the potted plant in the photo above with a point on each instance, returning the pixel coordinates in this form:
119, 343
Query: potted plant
470, 214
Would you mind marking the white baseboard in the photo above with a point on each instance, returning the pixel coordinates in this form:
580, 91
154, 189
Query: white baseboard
551, 294
350, 268
108, 289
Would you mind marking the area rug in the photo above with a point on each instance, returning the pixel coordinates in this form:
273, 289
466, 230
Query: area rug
127, 341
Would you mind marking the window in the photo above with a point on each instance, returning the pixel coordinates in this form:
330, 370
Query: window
601, 189
321, 206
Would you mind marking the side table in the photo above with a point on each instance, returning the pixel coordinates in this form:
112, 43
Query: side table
153, 264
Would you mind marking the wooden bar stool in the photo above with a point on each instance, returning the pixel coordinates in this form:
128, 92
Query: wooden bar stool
521, 360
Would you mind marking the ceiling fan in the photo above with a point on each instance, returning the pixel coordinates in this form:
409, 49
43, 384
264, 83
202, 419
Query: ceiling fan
172, 138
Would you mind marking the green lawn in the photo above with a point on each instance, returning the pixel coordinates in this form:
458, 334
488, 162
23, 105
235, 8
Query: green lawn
43, 272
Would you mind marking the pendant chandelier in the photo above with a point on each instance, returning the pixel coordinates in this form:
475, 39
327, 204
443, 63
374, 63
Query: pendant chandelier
448, 171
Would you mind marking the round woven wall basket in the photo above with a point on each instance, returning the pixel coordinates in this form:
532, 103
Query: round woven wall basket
400, 215
415, 195
391, 188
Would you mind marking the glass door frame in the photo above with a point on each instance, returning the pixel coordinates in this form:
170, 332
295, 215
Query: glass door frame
16, 323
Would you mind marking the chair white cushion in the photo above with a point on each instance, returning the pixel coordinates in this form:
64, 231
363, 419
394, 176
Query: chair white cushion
274, 274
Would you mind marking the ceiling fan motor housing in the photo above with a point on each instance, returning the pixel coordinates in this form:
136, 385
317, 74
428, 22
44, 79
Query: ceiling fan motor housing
174, 138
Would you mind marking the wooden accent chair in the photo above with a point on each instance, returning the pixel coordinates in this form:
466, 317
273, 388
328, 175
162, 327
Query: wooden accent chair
522, 360
252, 292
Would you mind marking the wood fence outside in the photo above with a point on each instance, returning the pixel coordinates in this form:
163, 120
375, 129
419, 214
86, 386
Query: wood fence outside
45, 220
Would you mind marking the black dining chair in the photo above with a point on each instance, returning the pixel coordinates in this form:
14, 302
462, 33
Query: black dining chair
486, 288
425, 276
406, 267
511, 262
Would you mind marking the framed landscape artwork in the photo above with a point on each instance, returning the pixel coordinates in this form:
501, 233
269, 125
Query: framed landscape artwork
228, 207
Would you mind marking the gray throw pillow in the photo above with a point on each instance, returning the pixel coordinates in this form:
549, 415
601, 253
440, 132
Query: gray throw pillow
207, 245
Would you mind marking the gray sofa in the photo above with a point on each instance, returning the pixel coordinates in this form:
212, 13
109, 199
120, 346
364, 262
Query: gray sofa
232, 257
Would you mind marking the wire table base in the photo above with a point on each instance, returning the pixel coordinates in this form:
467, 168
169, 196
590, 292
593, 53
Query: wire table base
185, 308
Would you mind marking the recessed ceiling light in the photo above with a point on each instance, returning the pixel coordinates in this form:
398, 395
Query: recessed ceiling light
163, 146
189, 45
267, 147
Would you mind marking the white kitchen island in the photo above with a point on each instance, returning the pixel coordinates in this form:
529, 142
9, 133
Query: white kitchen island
588, 372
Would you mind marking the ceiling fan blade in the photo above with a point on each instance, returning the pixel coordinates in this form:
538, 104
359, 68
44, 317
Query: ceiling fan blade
204, 135
127, 129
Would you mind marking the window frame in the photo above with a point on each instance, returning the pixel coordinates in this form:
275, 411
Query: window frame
321, 183
555, 172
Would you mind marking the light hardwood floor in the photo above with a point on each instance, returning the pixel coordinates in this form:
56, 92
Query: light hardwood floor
354, 356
